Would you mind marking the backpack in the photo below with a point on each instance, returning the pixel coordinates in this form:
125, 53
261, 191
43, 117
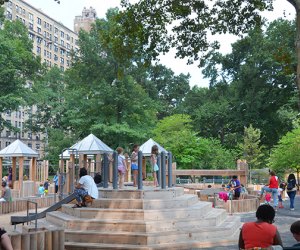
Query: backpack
290, 186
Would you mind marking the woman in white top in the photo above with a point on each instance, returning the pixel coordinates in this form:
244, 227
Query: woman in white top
85, 186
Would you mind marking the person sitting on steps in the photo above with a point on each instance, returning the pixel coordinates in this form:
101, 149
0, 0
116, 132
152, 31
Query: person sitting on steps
85, 186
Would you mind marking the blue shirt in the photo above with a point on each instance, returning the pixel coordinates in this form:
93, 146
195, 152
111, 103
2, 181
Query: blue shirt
237, 183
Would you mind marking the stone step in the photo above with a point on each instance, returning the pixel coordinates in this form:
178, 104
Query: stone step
147, 193
228, 227
176, 202
213, 218
194, 211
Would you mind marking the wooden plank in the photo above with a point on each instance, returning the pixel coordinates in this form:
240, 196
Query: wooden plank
25, 241
48, 240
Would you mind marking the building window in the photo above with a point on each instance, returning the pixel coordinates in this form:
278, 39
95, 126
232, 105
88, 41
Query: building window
62, 68
45, 33
62, 43
29, 145
62, 60
38, 50
45, 52
71, 39
37, 146
31, 26
62, 51
30, 17
68, 37
7, 143
45, 24
39, 30
9, 15
68, 63
55, 39
23, 12
62, 34
55, 48
39, 21
39, 40
55, 30
68, 46
50, 27
8, 113
8, 133
55, 57
16, 124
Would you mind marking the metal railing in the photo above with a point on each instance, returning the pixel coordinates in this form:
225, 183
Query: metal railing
35, 203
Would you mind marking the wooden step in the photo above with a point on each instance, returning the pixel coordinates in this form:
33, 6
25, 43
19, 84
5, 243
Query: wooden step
213, 218
195, 211
148, 193
176, 202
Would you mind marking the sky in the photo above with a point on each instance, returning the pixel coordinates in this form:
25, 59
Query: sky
68, 9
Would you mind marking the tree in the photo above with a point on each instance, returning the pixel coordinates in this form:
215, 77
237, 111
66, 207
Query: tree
285, 155
175, 134
18, 65
251, 148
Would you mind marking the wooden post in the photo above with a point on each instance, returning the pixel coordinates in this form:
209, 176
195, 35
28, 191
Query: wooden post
41, 240
25, 241
98, 163
14, 171
144, 168
61, 240
16, 241
21, 165
48, 240
1, 168
33, 241
71, 172
85, 162
55, 240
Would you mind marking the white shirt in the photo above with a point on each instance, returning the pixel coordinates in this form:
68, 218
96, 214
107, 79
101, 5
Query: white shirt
89, 185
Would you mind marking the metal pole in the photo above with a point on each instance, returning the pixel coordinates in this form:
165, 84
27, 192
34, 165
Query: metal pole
163, 170
158, 172
115, 171
105, 171
140, 170
170, 181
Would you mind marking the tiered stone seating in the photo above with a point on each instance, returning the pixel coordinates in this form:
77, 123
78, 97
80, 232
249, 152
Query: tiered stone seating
148, 219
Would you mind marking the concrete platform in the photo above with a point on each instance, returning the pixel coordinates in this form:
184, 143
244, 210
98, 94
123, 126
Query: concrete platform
145, 219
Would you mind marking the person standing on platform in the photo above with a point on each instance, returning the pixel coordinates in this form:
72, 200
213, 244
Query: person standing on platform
121, 166
55, 180
134, 163
291, 190
272, 187
154, 166
236, 185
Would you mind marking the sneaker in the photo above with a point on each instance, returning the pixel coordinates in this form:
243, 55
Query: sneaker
292, 209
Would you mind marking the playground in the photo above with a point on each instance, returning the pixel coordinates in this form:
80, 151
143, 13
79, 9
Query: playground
170, 216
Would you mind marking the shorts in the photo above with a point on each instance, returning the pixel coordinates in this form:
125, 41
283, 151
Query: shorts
46, 191
155, 168
134, 166
280, 198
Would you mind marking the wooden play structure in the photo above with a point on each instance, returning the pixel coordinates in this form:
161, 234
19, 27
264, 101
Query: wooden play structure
18, 153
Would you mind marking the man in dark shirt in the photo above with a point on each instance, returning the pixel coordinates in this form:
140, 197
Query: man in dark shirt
236, 186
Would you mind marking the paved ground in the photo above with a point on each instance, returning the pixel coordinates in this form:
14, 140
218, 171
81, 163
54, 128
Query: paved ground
283, 220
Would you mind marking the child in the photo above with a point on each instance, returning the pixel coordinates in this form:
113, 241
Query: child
41, 190
46, 186
153, 159
121, 166
295, 230
267, 198
280, 190
134, 163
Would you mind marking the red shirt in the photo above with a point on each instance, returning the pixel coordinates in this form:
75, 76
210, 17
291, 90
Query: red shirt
273, 182
258, 234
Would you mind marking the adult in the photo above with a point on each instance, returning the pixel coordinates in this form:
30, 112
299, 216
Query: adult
291, 189
261, 233
5, 240
85, 186
6, 192
236, 185
134, 163
272, 187
56, 180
